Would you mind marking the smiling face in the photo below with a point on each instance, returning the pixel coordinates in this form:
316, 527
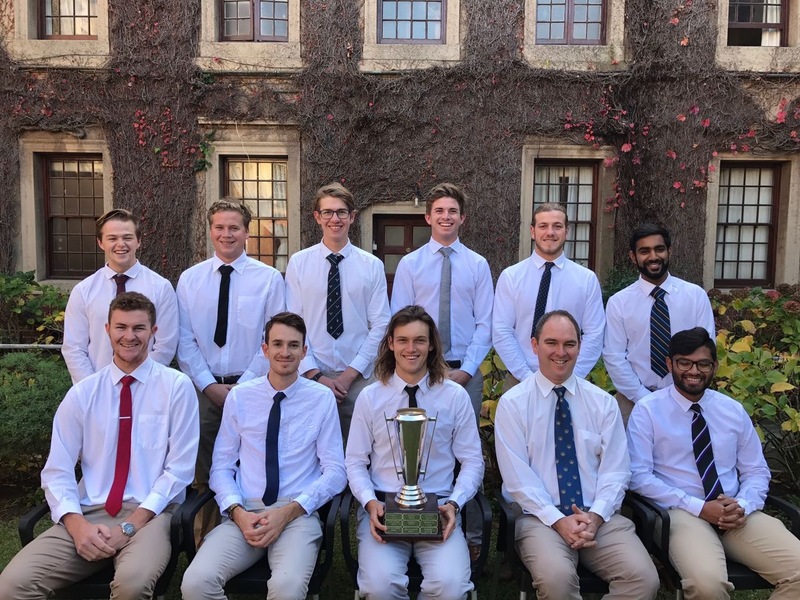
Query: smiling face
130, 332
284, 349
692, 383
445, 219
335, 230
549, 233
228, 235
119, 242
557, 348
411, 344
651, 258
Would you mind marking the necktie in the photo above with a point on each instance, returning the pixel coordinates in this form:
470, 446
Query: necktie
444, 299
411, 390
659, 332
569, 479
221, 332
123, 463
120, 280
271, 454
334, 304
704, 454
541, 298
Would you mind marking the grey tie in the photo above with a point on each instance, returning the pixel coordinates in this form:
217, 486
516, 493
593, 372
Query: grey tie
444, 299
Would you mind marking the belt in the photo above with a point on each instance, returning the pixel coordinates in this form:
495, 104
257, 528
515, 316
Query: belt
227, 379
453, 364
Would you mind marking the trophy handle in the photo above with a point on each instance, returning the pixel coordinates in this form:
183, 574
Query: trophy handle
430, 442
397, 472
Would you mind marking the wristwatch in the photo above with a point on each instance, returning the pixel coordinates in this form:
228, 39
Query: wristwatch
231, 508
316, 377
129, 529
455, 505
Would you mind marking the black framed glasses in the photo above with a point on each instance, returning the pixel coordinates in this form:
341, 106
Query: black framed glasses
684, 364
327, 213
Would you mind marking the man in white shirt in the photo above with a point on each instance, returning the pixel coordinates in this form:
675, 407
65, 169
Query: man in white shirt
546, 281
562, 454
633, 356
412, 372
133, 426
271, 506
224, 303
86, 348
695, 453
340, 291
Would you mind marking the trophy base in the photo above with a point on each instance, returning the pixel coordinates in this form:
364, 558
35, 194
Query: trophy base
411, 525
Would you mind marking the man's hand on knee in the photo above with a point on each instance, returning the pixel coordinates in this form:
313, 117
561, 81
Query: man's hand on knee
376, 510
91, 541
577, 529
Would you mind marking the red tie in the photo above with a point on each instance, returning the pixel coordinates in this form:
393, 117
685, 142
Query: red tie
114, 501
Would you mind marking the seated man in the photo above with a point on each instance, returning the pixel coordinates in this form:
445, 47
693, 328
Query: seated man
411, 371
562, 454
134, 427
270, 491
686, 429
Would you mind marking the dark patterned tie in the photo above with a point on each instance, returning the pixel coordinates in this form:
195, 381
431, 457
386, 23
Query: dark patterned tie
569, 479
411, 390
221, 332
123, 461
541, 297
271, 452
704, 454
120, 280
444, 299
334, 304
659, 332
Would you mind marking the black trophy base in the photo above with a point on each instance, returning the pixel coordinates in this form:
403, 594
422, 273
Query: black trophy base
410, 525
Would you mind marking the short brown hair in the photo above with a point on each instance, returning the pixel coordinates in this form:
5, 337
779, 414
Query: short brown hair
230, 204
550, 207
116, 214
289, 319
446, 190
335, 190
556, 313
130, 301
386, 362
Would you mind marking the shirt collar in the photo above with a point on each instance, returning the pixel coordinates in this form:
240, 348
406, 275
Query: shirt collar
539, 262
647, 287
396, 383
140, 373
289, 391
683, 402
434, 246
109, 273
238, 265
546, 386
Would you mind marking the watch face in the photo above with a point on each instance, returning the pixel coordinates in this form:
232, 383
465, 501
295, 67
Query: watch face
128, 529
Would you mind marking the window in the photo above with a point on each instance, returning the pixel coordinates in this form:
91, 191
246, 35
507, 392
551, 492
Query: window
75, 19
757, 22
271, 19
746, 219
73, 199
417, 22
569, 22
262, 184
572, 184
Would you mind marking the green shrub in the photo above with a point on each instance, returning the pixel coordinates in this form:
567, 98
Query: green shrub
31, 386
30, 311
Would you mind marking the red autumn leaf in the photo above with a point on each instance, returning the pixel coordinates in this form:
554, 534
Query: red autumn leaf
711, 168
674, 20
681, 117
626, 147
694, 109
706, 122
672, 154
685, 41
677, 185
781, 117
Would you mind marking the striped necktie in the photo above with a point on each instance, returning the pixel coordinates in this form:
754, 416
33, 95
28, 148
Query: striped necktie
704, 454
659, 332
335, 321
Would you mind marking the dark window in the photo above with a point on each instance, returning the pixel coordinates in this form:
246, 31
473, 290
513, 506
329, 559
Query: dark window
396, 236
407, 22
571, 22
255, 20
74, 19
73, 199
261, 184
746, 213
573, 184
757, 22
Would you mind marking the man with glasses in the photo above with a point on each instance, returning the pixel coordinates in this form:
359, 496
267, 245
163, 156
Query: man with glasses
340, 291
695, 453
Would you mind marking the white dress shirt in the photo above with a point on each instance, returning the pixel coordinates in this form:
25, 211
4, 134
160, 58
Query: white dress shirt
87, 348
626, 352
572, 288
310, 457
164, 436
525, 445
368, 456
365, 307
662, 458
256, 294
418, 280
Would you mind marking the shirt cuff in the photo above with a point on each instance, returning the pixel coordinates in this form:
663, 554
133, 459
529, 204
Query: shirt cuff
225, 501
304, 500
63, 508
549, 515
747, 507
693, 505
361, 364
601, 508
469, 368
204, 379
155, 503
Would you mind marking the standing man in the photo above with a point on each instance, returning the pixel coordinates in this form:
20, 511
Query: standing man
271, 509
695, 453
412, 373
86, 346
546, 281
340, 291
224, 303
133, 426
641, 319
562, 454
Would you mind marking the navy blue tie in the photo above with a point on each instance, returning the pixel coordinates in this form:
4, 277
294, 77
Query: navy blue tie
335, 324
221, 331
541, 297
659, 332
569, 478
704, 454
273, 471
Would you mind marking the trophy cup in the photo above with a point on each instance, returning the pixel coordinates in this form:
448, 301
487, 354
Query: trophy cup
411, 515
